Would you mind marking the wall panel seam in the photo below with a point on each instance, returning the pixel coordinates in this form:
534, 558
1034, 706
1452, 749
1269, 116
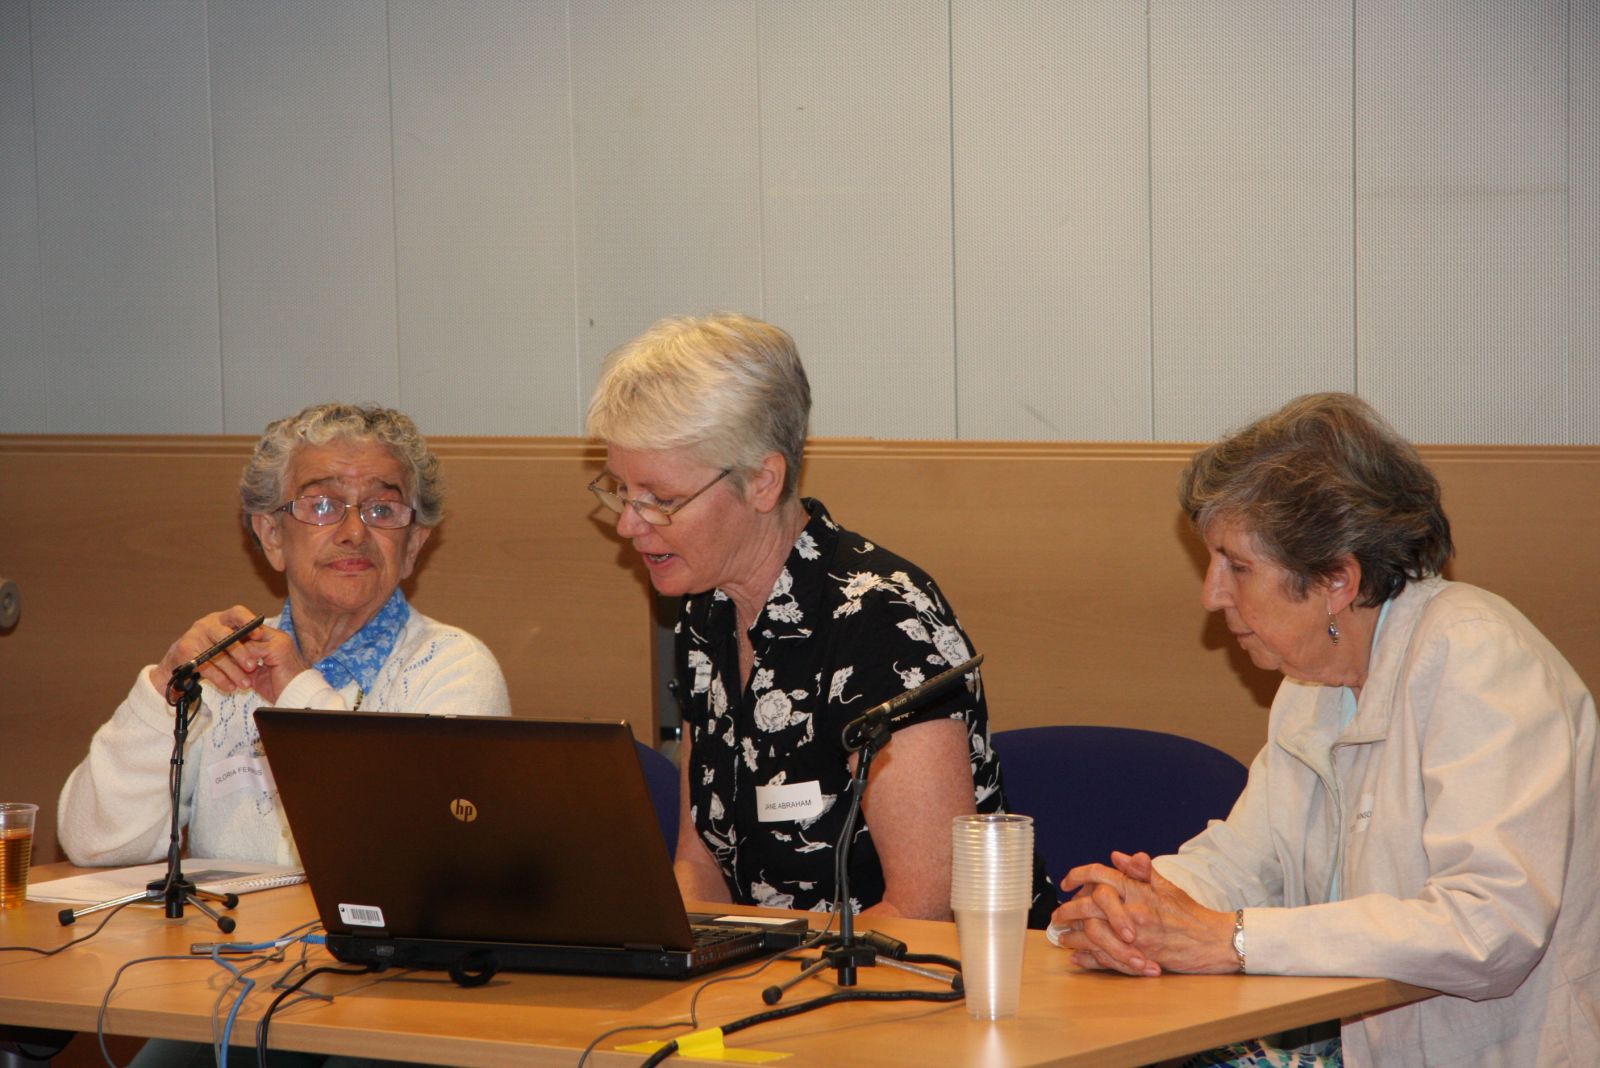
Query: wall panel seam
1355, 222
1150, 218
394, 200
38, 206
216, 226
572, 218
761, 171
955, 292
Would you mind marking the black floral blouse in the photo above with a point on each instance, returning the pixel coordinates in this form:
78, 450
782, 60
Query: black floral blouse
847, 626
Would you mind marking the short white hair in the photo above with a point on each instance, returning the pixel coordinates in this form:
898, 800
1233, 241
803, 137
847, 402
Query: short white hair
729, 388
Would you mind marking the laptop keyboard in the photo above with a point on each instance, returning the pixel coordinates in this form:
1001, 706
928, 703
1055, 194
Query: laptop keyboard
715, 941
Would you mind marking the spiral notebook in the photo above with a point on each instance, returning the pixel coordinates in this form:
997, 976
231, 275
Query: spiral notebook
477, 842
219, 876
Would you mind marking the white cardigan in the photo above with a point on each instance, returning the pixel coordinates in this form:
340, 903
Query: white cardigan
115, 807
1462, 806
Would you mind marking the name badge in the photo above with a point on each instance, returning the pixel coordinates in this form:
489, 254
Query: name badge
789, 801
243, 772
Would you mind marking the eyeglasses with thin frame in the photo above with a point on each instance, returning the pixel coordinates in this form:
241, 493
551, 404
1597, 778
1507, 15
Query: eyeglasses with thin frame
329, 511
653, 512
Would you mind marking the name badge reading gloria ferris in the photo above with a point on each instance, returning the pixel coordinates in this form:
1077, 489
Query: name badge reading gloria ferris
790, 801
243, 772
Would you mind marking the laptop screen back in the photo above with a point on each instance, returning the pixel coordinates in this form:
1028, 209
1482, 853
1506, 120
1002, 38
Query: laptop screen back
475, 828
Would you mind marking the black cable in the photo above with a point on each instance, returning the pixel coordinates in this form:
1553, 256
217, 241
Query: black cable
266, 1017
810, 941
807, 1006
840, 847
931, 958
73, 942
105, 1000
630, 1027
836, 997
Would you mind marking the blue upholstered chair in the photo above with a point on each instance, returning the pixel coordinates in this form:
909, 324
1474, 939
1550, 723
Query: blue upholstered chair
661, 775
1094, 789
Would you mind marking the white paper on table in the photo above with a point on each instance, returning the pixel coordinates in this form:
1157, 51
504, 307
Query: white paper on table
219, 876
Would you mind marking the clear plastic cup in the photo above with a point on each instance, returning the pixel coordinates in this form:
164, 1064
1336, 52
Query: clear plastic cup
992, 942
991, 887
16, 851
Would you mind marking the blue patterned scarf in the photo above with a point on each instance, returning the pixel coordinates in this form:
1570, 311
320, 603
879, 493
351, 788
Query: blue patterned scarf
360, 658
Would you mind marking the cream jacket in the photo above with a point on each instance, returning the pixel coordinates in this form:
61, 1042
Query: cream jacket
1462, 807
116, 809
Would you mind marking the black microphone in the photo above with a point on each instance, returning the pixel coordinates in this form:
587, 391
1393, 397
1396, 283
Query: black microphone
874, 726
189, 667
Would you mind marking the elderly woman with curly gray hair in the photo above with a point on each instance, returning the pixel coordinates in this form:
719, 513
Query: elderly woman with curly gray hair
1425, 807
341, 500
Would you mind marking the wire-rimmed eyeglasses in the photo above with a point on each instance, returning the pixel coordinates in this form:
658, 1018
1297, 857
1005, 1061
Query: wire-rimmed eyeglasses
327, 511
654, 512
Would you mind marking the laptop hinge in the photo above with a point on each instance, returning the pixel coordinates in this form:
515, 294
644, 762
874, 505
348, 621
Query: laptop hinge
644, 947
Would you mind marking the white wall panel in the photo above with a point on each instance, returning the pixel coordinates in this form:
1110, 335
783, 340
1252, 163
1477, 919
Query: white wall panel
855, 148
127, 244
1252, 289
483, 216
1051, 152
1033, 219
1583, 200
666, 166
305, 208
1461, 225
23, 380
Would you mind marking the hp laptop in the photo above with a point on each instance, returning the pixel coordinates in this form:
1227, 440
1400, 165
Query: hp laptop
482, 843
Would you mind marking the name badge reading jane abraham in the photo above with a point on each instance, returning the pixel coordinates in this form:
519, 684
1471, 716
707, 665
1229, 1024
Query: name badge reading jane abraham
789, 802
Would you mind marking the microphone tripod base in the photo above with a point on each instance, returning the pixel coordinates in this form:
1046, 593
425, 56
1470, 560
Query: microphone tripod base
180, 891
183, 892
847, 957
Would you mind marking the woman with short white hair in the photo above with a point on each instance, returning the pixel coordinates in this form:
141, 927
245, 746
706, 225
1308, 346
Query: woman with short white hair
791, 626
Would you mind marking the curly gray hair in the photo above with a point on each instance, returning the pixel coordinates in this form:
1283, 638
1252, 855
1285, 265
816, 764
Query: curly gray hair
1321, 478
728, 387
261, 487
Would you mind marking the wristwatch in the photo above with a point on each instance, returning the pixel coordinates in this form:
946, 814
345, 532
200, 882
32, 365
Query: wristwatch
1238, 936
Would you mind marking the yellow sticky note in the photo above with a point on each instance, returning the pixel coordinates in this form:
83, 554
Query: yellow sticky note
707, 1045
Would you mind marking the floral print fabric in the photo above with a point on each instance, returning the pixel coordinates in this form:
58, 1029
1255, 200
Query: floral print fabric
847, 626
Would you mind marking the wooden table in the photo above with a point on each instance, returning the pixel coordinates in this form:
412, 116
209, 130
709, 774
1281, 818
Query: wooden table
1068, 1016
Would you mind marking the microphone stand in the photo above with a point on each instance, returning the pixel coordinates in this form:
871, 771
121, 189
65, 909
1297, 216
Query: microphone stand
174, 890
844, 952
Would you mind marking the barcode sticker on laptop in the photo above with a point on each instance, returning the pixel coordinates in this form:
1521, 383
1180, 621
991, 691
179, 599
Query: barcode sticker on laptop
361, 915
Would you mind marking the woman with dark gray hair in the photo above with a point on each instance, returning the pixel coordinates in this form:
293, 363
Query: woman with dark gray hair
1424, 809
340, 499
791, 626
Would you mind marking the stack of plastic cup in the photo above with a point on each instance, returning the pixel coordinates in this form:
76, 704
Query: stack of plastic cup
991, 887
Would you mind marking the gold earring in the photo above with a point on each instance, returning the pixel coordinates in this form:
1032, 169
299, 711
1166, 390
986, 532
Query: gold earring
1333, 629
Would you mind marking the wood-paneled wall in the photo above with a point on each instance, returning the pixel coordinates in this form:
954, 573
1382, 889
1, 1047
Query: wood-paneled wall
1069, 565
